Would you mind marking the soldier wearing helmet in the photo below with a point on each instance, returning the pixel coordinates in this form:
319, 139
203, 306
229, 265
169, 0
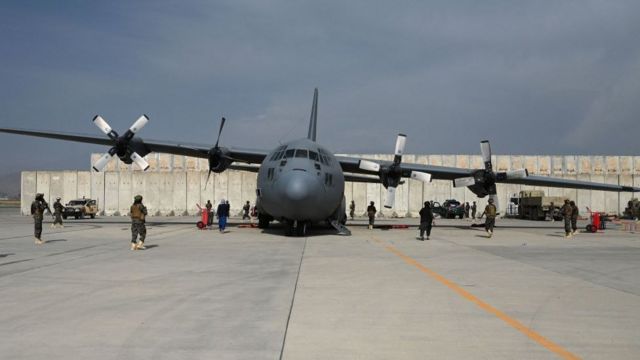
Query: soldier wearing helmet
58, 208
38, 207
490, 211
567, 213
138, 214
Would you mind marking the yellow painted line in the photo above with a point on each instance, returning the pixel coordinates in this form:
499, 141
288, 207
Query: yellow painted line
550, 345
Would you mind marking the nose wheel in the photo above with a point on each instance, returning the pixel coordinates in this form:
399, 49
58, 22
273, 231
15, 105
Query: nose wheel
297, 228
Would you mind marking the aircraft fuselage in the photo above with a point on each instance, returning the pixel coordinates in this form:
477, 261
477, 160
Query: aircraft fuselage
300, 181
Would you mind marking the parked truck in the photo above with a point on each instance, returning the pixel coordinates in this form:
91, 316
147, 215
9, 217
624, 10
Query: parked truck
534, 205
632, 210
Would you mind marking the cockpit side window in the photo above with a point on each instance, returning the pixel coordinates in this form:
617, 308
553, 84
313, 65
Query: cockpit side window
289, 153
301, 153
313, 155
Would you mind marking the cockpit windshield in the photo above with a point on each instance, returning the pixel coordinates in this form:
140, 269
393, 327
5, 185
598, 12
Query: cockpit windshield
301, 153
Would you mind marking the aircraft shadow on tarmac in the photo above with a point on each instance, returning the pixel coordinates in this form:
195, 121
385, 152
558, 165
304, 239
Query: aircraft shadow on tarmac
5, 255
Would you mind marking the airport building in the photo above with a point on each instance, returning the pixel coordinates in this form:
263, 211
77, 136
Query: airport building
174, 185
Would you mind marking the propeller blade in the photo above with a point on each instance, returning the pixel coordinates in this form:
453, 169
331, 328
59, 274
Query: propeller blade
220, 131
369, 165
104, 127
140, 161
401, 140
517, 174
421, 176
139, 124
391, 197
464, 182
485, 149
104, 160
207, 182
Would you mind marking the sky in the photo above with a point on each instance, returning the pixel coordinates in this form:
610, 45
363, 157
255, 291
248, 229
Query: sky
535, 77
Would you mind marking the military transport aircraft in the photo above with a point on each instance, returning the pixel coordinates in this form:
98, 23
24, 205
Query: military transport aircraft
301, 182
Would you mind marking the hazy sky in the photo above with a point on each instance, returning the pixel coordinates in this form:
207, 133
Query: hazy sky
536, 77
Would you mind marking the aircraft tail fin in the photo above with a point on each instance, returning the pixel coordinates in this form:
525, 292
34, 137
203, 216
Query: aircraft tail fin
314, 117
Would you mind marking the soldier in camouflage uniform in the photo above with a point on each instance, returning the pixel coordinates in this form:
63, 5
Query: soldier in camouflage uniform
490, 211
38, 207
575, 212
138, 214
567, 212
58, 208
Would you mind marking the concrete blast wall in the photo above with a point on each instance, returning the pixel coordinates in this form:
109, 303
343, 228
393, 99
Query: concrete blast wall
175, 184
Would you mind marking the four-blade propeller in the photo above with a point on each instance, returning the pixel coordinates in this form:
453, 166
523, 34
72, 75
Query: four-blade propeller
391, 174
122, 143
483, 181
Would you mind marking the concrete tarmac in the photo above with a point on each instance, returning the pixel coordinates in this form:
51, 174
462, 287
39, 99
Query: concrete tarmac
525, 293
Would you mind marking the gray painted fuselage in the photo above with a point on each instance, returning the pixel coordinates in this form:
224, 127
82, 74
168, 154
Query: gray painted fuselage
300, 181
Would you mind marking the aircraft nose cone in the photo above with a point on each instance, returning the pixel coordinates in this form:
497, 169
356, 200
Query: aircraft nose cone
298, 187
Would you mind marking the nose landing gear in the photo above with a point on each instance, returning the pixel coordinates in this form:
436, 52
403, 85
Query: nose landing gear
296, 228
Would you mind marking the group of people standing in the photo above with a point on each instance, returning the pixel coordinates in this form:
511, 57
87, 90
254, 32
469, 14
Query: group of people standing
222, 213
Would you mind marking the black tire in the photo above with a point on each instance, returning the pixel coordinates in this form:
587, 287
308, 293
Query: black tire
263, 222
93, 216
589, 228
64, 217
301, 230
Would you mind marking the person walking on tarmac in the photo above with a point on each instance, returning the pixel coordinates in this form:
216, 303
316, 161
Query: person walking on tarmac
138, 215
246, 208
58, 208
209, 213
490, 211
223, 214
574, 217
474, 208
371, 213
352, 209
567, 211
38, 207
426, 220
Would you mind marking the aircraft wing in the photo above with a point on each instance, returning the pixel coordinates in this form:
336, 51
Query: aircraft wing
194, 150
571, 184
351, 164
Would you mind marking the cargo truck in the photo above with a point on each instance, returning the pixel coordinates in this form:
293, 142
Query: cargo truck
534, 205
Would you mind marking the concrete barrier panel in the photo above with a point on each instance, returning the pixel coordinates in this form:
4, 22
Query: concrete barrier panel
503, 163
165, 203
124, 167
531, 164
612, 165
152, 191
84, 184
125, 192
28, 186
557, 164
583, 197
462, 161
626, 165
475, 160
193, 191
611, 198
203, 164
138, 182
636, 165
97, 189
179, 194
43, 181
598, 197
235, 192
598, 166
164, 162
152, 159
111, 197
360, 197
191, 163
221, 182
373, 194
544, 165
516, 162
178, 163
70, 184
56, 186
570, 165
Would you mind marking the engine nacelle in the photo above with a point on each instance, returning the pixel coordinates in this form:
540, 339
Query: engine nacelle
125, 149
485, 182
219, 159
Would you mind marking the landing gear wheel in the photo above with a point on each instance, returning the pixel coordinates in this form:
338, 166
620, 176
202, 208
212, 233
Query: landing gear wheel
263, 222
301, 229
590, 228
93, 216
